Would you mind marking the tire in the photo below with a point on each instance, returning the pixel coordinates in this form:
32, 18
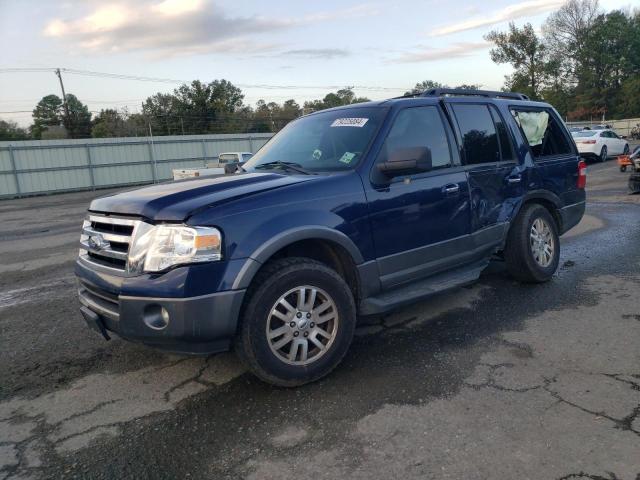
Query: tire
626, 149
265, 313
521, 248
603, 154
623, 168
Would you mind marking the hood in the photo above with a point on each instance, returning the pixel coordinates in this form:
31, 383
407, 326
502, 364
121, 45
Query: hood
176, 201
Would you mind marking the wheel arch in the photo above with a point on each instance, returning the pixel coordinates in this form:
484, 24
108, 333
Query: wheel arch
324, 244
548, 200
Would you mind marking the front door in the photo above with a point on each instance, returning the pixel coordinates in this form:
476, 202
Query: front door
418, 221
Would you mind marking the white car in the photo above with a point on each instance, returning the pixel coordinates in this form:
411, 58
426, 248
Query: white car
600, 144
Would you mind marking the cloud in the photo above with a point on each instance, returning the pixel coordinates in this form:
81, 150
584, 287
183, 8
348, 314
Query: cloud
172, 27
318, 53
511, 12
456, 50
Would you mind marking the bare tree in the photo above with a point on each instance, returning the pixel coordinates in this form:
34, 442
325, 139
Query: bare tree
566, 31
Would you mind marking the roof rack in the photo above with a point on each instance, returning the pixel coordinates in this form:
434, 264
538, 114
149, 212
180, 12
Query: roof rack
440, 92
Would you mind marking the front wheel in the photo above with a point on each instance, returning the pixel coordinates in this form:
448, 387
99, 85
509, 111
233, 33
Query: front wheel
623, 168
298, 322
532, 252
626, 149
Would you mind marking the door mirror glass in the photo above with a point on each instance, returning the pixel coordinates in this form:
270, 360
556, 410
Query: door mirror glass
407, 161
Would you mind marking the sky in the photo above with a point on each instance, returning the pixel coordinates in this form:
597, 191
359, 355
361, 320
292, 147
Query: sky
274, 50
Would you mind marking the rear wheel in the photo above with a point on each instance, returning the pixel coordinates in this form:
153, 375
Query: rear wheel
603, 154
532, 252
623, 168
298, 322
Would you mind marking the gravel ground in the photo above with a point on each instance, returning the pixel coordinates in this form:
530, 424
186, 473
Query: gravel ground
497, 380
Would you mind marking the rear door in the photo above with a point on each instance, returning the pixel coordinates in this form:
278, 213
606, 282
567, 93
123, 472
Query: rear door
420, 222
495, 179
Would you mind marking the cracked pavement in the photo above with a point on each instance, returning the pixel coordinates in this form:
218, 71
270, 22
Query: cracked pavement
497, 380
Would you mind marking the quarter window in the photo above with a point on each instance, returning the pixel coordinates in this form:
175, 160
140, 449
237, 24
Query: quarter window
479, 135
543, 133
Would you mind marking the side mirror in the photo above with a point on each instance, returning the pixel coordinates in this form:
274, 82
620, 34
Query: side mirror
232, 167
406, 161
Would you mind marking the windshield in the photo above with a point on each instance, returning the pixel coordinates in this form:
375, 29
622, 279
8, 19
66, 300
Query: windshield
326, 141
583, 134
227, 157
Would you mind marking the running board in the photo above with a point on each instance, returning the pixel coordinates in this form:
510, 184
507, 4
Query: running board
412, 292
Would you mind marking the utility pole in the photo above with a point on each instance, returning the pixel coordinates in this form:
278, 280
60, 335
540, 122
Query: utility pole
64, 96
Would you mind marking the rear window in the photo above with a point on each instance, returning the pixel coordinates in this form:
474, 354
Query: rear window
228, 157
543, 133
584, 134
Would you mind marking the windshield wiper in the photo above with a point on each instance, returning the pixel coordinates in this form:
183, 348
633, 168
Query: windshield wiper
286, 165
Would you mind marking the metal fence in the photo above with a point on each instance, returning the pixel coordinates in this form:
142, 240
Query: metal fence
47, 166
622, 127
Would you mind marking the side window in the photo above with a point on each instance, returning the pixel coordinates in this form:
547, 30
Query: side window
543, 133
418, 127
478, 132
506, 146
246, 157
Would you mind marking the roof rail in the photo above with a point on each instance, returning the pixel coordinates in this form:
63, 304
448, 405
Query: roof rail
440, 92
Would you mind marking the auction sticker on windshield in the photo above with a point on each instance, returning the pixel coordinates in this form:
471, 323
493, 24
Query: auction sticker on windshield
349, 122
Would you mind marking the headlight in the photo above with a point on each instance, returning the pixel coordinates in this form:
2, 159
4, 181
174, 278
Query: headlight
162, 246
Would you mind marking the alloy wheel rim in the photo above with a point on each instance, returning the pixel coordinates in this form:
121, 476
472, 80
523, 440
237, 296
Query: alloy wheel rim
542, 242
302, 325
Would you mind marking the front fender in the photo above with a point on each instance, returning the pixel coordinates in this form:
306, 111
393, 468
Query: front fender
311, 232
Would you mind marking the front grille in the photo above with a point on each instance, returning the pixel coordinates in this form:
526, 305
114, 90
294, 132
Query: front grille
98, 300
105, 241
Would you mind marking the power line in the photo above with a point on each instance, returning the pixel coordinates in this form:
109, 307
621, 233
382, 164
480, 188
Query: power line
118, 76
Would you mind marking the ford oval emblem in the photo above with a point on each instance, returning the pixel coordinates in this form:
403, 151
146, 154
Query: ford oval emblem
98, 242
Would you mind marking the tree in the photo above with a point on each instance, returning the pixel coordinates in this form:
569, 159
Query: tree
195, 108
345, 96
10, 130
162, 113
47, 113
109, 123
427, 85
208, 107
469, 86
423, 86
630, 98
78, 124
609, 59
521, 48
567, 30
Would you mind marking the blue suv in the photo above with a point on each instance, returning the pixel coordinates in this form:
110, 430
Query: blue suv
347, 212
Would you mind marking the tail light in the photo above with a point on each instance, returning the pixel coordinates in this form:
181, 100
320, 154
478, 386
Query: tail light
582, 174
590, 142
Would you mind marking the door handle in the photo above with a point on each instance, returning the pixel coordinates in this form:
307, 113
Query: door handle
513, 179
451, 189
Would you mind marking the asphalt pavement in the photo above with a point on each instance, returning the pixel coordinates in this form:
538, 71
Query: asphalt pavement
498, 380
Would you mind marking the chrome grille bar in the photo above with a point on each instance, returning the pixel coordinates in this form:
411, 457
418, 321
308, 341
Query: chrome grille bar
98, 234
111, 237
